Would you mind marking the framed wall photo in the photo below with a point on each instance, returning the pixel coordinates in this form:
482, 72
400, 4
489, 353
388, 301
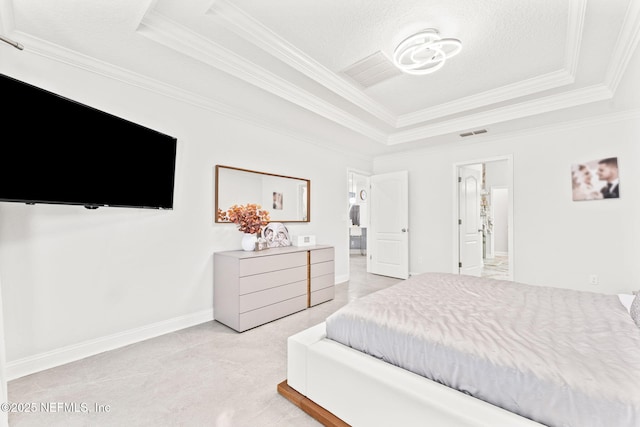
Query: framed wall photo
596, 179
277, 200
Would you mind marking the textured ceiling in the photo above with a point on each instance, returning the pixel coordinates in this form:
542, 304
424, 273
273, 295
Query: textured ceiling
501, 45
282, 62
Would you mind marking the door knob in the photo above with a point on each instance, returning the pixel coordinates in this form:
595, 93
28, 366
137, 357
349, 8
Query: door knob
404, 230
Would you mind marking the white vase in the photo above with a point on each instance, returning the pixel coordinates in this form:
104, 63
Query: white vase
249, 242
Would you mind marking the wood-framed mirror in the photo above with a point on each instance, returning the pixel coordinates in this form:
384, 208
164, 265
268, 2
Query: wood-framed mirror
286, 198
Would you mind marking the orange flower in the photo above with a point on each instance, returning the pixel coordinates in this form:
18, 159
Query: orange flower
250, 218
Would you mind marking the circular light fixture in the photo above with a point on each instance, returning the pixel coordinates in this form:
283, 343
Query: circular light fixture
424, 52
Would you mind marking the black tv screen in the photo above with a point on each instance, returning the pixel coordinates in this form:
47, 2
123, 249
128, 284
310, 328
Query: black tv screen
56, 150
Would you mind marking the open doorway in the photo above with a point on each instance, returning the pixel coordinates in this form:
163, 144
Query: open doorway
378, 222
358, 220
484, 209
496, 255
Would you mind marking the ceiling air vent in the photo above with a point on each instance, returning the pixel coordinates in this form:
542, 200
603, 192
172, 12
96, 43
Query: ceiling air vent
372, 70
473, 132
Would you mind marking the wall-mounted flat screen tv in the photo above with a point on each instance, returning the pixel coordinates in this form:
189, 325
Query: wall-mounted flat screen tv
56, 150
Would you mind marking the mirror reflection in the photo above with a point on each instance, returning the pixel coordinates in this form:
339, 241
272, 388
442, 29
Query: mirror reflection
286, 198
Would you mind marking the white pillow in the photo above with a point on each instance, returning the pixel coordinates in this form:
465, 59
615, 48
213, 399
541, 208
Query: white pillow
635, 310
626, 300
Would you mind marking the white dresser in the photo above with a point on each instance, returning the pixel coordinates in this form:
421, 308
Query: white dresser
256, 287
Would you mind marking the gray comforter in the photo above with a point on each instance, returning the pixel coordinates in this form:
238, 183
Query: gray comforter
557, 356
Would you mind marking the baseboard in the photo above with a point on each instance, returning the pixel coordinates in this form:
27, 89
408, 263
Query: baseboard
341, 279
50, 359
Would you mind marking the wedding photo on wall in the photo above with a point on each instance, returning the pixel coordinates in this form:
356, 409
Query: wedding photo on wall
277, 200
596, 179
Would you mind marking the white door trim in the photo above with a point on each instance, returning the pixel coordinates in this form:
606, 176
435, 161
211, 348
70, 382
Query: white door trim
454, 220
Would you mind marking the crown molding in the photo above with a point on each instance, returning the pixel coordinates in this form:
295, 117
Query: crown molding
162, 30
524, 109
45, 49
252, 30
504, 93
575, 29
625, 46
71, 58
554, 102
168, 33
566, 76
597, 120
590, 121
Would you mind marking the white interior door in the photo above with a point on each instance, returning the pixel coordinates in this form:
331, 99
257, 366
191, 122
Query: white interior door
469, 223
388, 237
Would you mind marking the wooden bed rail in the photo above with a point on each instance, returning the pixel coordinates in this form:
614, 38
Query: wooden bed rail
314, 410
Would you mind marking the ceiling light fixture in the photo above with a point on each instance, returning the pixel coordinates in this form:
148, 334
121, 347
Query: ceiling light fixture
424, 52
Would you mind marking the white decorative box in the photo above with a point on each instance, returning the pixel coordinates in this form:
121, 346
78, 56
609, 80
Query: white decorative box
307, 240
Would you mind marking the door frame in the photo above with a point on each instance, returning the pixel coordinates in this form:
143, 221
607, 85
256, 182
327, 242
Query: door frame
455, 256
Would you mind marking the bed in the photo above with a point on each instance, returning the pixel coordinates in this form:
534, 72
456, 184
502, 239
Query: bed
453, 350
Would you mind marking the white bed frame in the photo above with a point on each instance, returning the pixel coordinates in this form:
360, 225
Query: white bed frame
360, 390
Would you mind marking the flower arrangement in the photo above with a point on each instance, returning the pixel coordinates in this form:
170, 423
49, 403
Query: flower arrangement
250, 218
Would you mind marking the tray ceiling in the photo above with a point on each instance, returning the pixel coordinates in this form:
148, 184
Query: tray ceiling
519, 61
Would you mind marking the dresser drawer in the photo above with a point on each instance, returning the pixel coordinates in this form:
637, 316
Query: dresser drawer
267, 297
259, 282
321, 255
322, 268
321, 282
253, 288
322, 295
266, 314
267, 263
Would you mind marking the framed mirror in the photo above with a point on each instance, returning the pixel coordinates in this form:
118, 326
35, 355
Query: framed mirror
286, 198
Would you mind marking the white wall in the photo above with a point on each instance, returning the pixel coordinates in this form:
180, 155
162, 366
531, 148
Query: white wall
556, 241
76, 281
496, 174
